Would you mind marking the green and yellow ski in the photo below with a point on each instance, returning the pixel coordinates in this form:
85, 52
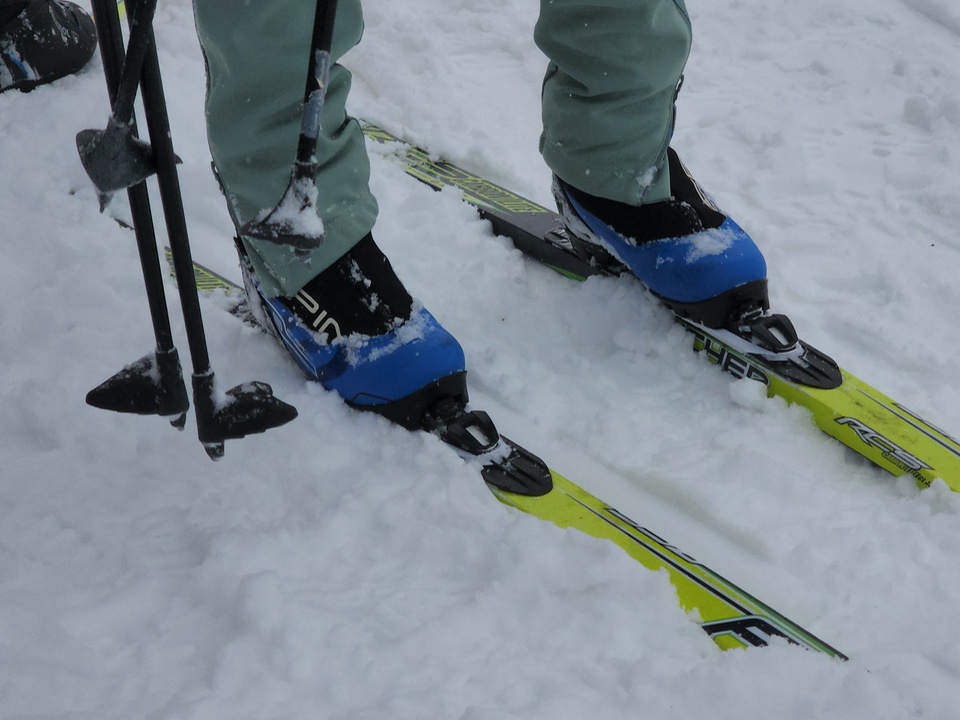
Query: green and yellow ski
861, 417
732, 617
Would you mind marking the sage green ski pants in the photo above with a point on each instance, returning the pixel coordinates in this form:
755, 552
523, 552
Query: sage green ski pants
608, 101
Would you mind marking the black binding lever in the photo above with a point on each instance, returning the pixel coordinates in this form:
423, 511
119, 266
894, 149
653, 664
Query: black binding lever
769, 332
506, 466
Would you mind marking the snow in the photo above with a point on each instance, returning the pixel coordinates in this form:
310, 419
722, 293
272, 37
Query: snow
340, 567
295, 214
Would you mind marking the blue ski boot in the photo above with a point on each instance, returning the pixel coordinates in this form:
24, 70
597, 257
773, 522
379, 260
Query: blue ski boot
699, 262
356, 330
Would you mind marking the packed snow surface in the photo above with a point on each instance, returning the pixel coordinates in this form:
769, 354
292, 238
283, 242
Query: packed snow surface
340, 567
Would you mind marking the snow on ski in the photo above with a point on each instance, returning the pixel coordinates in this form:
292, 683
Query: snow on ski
882, 430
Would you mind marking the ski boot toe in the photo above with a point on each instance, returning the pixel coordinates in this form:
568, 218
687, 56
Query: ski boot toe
402, 373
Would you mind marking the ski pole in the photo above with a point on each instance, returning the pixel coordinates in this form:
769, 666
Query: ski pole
294, 220
247, 408
153, 385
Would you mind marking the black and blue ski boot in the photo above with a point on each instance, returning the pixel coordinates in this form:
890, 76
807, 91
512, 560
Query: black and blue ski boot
42, 41
694, 258
356, 330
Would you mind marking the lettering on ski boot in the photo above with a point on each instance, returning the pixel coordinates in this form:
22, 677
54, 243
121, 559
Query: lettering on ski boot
322, 322
891, 451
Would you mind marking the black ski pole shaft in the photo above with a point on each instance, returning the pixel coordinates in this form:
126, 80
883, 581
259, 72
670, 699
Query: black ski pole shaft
294, 221
110, 35
141, 22
152, 385
158, 125
318, 76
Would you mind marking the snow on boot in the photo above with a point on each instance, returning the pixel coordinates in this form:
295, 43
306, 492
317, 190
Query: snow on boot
698, 261
45, 41
356, 330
